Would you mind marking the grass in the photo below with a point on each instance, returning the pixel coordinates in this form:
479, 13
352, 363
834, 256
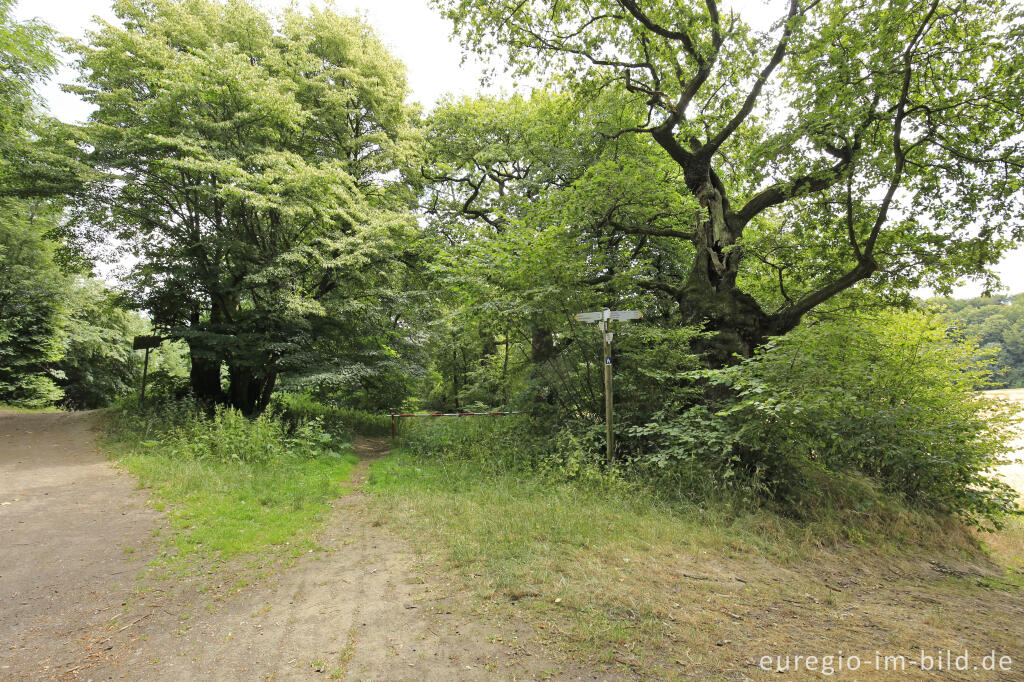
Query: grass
230, 505
225, 509
610, 574
28, 410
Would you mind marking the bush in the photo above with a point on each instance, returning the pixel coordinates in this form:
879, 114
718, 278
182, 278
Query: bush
341, 422
507, 442
182, 430
831, 412
864, 415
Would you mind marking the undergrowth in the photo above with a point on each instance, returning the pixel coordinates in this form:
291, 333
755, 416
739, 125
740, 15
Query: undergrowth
231, 486
623, 572
20, 409
341, 422
492, 452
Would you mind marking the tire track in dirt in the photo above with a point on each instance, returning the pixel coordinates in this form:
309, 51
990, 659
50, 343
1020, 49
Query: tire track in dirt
361, 609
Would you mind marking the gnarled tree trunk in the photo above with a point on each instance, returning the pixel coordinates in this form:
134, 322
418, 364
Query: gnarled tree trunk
249, 390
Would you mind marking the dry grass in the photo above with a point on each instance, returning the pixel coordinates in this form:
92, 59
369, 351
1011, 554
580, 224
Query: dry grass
646, 591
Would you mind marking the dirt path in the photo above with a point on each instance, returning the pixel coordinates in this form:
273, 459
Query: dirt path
73, 609
66, 516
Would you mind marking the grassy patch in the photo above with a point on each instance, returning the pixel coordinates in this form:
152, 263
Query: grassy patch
27, 410
231, 508
507, 521
233, 503
611, 573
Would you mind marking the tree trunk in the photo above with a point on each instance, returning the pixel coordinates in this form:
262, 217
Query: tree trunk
249, 391
710, 298
204, 376
542, 344
734, 322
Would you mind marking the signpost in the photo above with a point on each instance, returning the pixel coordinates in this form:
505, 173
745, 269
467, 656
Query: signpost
604, 318
147, 343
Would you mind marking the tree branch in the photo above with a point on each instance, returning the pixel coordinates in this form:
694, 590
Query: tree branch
672, 291
790, 316
683, 37
784, 191
748, 104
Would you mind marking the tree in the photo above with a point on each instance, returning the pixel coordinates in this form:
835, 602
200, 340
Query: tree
32, 304
849, 145
63, 336
45, 308
39, 156
500, 177
25, 58
30, 283
98, 364
998, 324
255, 170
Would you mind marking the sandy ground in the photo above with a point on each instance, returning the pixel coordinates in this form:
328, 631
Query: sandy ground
65, 517
75, 604
1013, 473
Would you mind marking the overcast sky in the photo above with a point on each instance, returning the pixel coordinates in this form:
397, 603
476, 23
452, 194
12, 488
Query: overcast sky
413, 31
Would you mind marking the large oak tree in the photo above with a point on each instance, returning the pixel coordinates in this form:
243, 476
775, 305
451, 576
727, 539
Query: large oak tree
846, 143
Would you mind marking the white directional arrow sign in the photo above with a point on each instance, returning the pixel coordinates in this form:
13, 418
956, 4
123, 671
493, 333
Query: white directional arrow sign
590, 317
609, 315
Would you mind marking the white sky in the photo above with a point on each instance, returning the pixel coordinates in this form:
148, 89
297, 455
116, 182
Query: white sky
413, 31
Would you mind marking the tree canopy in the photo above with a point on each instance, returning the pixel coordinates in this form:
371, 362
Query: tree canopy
255, 170
998, 324
847, 145
25, 58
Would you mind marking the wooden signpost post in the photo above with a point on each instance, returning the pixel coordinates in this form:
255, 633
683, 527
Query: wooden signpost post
148, 343
604, 318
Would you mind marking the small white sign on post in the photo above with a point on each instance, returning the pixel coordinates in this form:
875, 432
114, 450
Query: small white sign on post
590, 317
604, 318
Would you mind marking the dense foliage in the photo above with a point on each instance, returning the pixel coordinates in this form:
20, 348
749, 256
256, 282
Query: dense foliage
889, 397
855, 413
31, 306
255, 169
305, 241
297, 409
748, 175
998, 324
98, 364
64, 337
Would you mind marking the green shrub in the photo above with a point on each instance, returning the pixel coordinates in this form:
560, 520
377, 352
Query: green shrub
341, 422
514, 445
834, 414
863, 415
507, 442
182, 430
